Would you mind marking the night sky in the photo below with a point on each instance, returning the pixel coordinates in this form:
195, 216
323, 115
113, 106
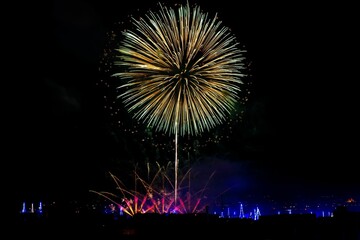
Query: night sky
300, 128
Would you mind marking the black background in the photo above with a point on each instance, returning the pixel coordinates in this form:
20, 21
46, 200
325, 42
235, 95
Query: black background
303, 105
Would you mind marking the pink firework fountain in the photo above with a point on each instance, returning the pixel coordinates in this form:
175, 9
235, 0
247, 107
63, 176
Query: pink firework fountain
157, 195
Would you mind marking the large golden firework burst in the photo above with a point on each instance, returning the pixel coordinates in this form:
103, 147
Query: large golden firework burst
182, 70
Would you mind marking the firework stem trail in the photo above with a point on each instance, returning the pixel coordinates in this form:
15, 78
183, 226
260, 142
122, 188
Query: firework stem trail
181, 72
